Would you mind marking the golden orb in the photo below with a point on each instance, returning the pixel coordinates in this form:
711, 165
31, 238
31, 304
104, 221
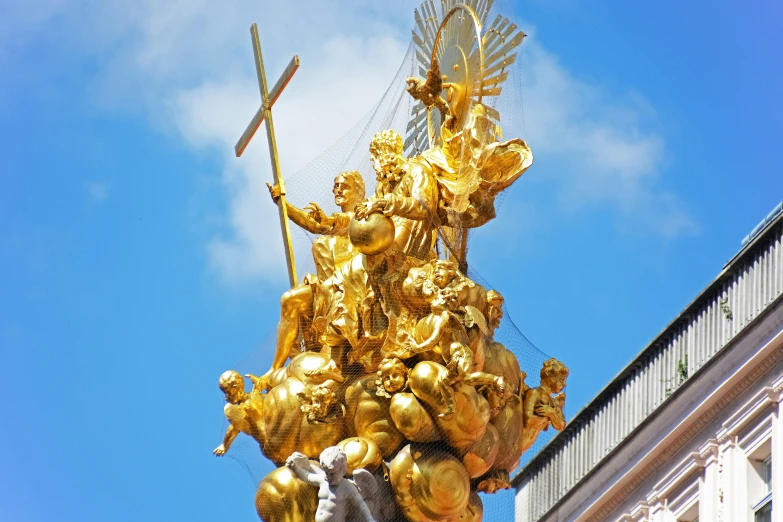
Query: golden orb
372, 235
282, 497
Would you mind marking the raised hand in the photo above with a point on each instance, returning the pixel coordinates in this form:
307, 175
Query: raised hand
297, 460
274, 191
260, 384
316, 213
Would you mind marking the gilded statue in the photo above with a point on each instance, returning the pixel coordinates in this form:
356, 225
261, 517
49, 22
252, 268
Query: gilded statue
309, 421
407, 192
243, 410
540, 408
428, 91
387, 367
442, 332
315, 297
369, 415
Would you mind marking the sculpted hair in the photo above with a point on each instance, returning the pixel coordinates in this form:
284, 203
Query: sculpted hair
229, 379
356, 181
494, 297
385, 141
332, 457
553, 368
388, 365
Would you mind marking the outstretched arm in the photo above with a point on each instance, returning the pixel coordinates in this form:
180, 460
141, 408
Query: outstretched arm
462, 360
482, 378
228, 438
299, 464
305, 218
311, 219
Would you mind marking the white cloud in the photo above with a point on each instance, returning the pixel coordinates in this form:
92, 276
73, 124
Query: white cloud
607, 148
189, 65
339, 80
346, 77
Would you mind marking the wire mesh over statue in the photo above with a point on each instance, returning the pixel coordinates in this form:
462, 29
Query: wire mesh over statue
396, 390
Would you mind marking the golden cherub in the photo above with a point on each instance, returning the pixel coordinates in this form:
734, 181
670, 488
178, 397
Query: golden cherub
428, 91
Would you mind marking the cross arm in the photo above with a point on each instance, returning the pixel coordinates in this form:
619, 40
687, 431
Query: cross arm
290, 69
266, 104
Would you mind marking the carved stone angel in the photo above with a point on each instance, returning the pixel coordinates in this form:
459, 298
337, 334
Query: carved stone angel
338, 497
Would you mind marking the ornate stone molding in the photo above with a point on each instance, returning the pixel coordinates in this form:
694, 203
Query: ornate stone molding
709, 451
641, 511
694, 429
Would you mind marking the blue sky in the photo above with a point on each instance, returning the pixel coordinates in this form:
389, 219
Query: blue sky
139, 259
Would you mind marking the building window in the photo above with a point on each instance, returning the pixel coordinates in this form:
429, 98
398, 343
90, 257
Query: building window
762, 511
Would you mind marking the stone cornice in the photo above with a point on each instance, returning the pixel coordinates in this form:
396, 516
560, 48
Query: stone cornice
685, 438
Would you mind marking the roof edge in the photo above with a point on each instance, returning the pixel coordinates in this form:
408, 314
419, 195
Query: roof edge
744, 253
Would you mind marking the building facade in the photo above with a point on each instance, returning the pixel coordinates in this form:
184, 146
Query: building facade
692, 428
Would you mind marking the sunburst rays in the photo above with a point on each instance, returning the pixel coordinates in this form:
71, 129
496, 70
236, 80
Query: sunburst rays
458, 32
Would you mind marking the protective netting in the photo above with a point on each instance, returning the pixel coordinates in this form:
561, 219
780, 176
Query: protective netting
451, 363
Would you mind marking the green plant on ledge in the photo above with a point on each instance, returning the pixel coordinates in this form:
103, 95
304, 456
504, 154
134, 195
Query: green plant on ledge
724, 306
682, 368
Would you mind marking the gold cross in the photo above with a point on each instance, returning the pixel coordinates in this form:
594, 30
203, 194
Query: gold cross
264, 113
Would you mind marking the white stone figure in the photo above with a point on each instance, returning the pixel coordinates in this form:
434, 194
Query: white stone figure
339, 499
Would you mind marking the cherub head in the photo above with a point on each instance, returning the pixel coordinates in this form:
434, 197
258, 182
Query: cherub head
233, 385
334, 462
317, 403
494, 309
348, 190
392, 377
553, 375
386, 156
443, 272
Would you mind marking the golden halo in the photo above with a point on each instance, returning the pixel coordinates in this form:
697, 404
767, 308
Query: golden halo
473, 57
